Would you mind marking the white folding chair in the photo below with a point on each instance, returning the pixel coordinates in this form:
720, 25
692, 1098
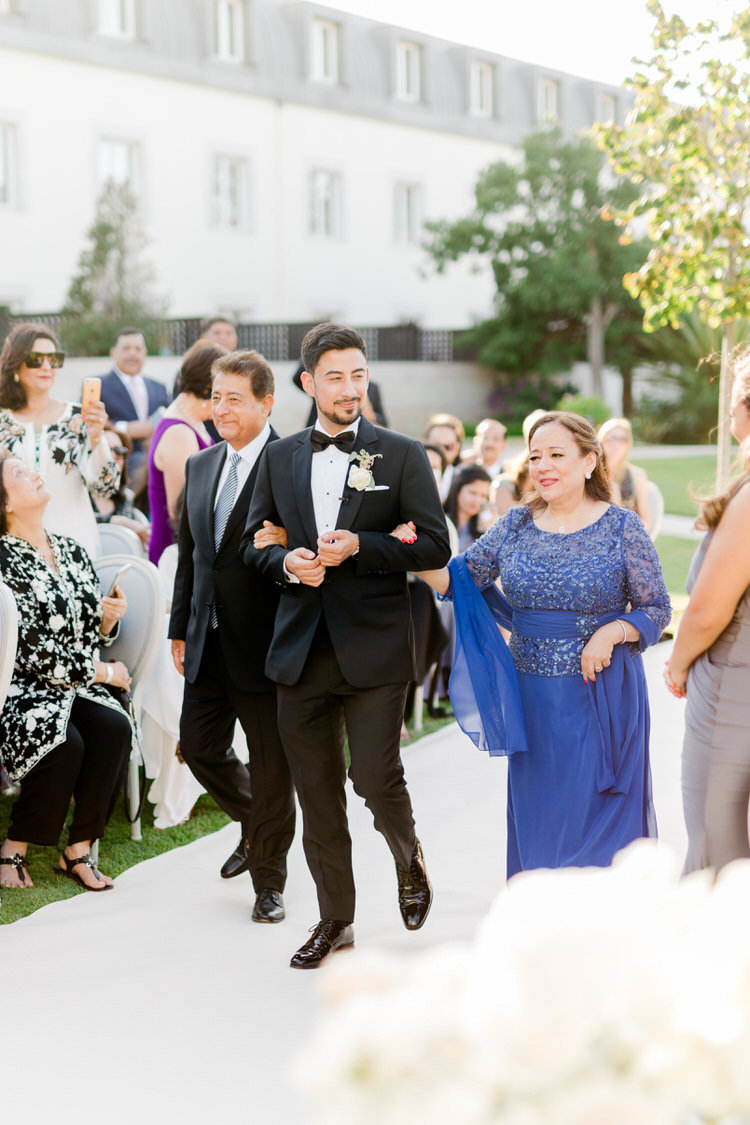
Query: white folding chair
116, 539
655, 508
8, 639
137, 643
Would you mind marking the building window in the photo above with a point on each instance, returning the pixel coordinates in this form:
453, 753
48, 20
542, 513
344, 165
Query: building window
116, 18
325, 203
548, 100
229, 30
7, 164
229, 191
325, 51
117, 160
408, 72
608, 108
407, 213
482, 89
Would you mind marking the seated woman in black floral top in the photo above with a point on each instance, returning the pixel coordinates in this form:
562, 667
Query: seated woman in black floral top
63, 735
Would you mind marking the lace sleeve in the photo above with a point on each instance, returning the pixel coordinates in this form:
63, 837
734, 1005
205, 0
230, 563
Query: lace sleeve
483, 557
651, 608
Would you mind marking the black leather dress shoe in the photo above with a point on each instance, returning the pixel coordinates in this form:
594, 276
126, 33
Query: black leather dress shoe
327, 936
414, 891
238, 861
269, 906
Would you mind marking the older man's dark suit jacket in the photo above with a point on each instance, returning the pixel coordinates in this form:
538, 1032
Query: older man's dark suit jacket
119, 404
365, 600
245, 600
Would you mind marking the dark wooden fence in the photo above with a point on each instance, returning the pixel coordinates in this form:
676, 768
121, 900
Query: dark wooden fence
282, 341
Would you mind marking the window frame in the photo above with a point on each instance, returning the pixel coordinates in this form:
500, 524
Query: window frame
407, 49
135, 161
323, 34
224, 31
408, 210
335, 228
547, 85
9, 158
242, 164
481, 67
126, 23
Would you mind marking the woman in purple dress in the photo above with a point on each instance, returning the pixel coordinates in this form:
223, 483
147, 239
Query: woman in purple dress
566, 701
179, 435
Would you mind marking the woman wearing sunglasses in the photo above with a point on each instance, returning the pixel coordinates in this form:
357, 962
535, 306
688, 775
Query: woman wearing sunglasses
57, 439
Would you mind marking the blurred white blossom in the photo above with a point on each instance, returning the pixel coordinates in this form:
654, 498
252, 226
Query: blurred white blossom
590, 996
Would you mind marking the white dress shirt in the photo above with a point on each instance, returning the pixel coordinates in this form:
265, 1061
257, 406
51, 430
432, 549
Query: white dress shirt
249, 454
136, 387
327, 480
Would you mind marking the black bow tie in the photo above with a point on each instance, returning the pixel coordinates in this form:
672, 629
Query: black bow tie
321, 441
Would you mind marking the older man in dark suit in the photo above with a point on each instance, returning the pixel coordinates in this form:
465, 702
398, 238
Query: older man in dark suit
221, 626
342, 652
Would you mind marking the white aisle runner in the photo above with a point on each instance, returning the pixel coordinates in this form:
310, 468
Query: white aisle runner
161, 1002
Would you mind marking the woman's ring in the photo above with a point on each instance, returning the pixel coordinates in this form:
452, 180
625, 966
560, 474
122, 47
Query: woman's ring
597, 667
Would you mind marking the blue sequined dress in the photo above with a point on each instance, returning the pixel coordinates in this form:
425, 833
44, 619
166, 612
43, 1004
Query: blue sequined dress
579, 780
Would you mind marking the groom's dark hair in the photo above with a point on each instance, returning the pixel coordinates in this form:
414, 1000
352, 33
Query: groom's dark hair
329, 338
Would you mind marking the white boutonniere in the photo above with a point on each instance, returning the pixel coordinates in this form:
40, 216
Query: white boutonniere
360, 473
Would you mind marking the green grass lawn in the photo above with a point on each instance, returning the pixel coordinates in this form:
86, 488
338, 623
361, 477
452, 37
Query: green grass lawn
117, 852
675, 475
675, 555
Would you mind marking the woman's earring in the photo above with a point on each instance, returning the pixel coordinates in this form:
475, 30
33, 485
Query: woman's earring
15, 377
588, 476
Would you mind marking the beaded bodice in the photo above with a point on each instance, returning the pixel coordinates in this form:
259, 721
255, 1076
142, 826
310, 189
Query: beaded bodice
598, 570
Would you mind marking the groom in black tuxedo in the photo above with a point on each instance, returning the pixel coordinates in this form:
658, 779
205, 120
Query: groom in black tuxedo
221, 626
342, 652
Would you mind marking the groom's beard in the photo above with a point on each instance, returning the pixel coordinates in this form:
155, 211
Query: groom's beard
338, 417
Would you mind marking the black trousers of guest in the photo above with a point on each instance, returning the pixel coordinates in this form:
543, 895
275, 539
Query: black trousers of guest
313, 714
89, 767
259, 795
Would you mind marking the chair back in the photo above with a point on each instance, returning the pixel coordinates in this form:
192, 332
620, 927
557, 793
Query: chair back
114, 539
655, 508
142, 628
8, 639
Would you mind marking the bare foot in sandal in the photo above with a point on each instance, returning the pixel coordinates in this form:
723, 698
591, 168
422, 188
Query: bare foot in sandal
13, 871
77, 864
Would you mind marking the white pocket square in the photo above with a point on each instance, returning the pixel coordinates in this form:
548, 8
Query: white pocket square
379, 488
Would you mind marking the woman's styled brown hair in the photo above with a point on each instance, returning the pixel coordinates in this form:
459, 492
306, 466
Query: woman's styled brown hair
18, 342
195, 373
584, 435
712, 507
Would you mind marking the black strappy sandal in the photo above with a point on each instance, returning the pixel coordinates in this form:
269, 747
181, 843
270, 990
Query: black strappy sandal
71, 874
19, 862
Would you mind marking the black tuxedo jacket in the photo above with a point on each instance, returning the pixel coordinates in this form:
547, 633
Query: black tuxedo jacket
119, 404
245, 600
365, 600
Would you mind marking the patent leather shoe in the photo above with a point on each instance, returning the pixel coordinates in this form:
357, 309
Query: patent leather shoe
414, 891
269, 906
327, 936
238, 861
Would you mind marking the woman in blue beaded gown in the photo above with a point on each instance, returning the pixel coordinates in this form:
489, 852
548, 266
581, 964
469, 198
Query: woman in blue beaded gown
566, 700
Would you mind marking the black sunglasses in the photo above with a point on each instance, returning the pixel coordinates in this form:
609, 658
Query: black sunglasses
120, 450
36, 359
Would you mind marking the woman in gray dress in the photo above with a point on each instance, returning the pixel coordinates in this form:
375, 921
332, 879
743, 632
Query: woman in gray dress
710, 664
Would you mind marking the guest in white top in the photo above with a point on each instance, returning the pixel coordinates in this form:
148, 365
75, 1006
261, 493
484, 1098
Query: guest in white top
57, 439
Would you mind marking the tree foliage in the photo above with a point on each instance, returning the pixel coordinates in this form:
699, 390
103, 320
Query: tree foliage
556, 261
113, 285
686, 144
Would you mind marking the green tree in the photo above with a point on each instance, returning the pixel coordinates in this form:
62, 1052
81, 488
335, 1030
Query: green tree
113, 285
556, 260
686, 143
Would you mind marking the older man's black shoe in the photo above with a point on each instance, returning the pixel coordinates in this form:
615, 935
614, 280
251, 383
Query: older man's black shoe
327, 936
238, 861
414, 891
269, 906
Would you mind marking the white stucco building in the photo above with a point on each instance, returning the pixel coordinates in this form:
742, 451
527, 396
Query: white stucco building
285, 154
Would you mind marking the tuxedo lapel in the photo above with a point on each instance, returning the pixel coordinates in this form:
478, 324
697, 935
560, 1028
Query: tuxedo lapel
242, 503
367, 439
301, 471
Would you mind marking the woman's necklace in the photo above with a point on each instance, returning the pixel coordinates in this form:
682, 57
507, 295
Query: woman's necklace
191, 421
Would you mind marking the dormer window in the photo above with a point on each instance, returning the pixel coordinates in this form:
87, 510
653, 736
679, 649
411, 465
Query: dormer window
408, 71
325, 52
